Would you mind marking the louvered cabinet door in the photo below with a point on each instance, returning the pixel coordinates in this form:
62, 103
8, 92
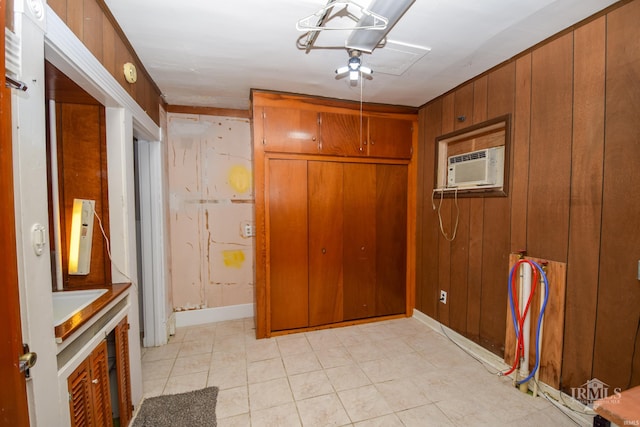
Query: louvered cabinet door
79, 385
101, 396
123, 372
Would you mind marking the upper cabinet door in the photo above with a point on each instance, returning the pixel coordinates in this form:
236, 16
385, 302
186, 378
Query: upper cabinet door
342, 134
391, 138
289, 130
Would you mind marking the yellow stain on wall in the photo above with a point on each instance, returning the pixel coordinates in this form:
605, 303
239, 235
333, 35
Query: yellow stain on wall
240, 178
233, 259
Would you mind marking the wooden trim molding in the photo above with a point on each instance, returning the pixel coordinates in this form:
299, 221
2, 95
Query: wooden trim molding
209, 111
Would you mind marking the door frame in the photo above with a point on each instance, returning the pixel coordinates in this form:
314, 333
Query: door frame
14, 408
152, 243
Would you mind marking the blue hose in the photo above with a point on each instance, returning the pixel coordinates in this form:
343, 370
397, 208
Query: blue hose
544, 305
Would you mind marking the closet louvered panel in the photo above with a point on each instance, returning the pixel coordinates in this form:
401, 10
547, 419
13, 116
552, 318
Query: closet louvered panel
89, 393
122, 368
100, 386
80, 396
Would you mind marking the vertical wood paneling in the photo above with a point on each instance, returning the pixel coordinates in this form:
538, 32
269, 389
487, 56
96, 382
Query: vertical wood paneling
432, 128
476, 219
586, 202
520, 155
75, 17
445, 209
457, 297
550, 150
496, 228
82, 157
391, 240
59, 7
92, 28
108, 46
619, 289
560, 181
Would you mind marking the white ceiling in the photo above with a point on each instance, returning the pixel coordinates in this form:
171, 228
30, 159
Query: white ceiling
212, 52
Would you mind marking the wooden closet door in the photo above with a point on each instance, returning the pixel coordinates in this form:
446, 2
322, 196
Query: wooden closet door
391, 239
325, 242
359, 240
287, 236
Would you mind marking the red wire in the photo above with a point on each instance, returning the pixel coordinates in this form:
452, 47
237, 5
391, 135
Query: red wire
520, 319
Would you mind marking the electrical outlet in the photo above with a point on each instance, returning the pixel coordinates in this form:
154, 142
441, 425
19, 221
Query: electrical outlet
249, 230
443, 297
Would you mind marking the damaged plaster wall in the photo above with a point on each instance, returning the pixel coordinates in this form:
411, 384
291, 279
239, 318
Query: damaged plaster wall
211, 205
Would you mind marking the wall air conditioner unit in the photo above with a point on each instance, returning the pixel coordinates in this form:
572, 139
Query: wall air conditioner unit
482, 168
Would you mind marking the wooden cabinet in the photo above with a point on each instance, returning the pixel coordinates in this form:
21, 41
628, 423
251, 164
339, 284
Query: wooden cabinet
333, 230
289, 130
389, 137
90, 402
89, 395
337, 233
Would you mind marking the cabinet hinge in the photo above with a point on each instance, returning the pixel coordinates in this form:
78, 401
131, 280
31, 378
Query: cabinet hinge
70, 397
129, 324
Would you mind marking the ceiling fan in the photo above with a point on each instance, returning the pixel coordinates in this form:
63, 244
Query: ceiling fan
354, 68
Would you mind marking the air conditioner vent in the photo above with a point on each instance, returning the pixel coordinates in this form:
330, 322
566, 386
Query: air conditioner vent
481, 168
468, 156
13, 53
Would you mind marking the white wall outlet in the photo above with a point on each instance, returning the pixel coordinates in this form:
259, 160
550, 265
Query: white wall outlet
443, 297
249, 230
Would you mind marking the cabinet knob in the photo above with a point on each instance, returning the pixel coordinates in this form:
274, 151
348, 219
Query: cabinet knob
324, 251
372, 142
362, 248
95, 381
313, 138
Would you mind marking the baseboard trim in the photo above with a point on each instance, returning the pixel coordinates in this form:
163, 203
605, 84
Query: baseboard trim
211, 315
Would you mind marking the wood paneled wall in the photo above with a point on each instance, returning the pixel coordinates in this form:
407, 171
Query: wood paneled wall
92, 22
575, 107
82, 174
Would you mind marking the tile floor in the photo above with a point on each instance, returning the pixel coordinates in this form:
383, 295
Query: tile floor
391, 373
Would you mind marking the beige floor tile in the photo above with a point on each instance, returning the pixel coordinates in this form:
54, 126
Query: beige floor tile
417, 417
157, 369
155, 387
347, 377
232, 402
310, 384
323, 339
402, 394
334, 356
228, 374
390, 420
364, 403
242, 420
293, 344
282, 415
262, 350
359, 374
184, 383
265, 370
190, 348
269, 394
300, 363
168, 351
321, 411
191, 364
